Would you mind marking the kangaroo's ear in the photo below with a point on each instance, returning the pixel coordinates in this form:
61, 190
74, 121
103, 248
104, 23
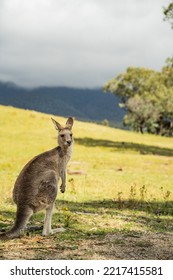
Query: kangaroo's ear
57, 125
69, 123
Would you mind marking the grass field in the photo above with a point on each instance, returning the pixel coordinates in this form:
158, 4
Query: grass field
119, 207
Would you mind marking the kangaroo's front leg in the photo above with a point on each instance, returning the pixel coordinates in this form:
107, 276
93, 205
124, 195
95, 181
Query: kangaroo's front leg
63, 179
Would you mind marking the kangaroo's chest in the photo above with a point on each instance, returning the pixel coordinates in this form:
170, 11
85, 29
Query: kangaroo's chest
63, 163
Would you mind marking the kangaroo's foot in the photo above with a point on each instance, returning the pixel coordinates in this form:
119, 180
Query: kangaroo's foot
11, 235
53, 231
56, 230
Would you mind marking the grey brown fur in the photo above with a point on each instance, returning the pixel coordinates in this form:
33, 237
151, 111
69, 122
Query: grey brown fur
37, 185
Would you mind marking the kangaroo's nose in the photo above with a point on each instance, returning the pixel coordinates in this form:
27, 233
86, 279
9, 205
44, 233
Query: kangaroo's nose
69, 142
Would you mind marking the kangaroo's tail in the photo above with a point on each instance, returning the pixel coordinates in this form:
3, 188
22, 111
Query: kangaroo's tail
3, 236
22, 217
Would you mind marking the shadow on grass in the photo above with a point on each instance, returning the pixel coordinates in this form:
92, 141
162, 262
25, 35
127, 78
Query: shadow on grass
111, 206
158, 216
123, 146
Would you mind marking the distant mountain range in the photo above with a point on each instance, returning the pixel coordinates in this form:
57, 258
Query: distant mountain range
83, 104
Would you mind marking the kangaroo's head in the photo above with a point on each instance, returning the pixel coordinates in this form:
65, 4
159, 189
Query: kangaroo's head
65, 136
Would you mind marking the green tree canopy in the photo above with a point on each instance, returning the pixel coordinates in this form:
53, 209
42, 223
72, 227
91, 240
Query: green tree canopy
168, 13
147, 96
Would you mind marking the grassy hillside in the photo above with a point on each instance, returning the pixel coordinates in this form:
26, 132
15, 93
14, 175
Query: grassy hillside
123, 195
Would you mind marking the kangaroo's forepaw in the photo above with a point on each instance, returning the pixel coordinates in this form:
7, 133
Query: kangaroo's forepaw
62, 188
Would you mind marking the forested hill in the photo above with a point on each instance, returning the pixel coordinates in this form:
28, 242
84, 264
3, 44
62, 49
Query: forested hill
84, 104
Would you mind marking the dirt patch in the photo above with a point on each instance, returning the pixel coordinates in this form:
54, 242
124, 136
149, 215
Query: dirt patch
115, 246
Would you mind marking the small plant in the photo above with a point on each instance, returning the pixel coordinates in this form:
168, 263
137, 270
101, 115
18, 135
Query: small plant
133, 192
67, 217
72, 186
132, 196
167, 207
143, 193
166, 196
120, 202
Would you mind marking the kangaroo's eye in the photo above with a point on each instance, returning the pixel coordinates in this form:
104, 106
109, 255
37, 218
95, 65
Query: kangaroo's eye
62, 135
71, 134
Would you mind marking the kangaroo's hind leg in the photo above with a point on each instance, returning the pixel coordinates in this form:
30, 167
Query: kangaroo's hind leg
23, 215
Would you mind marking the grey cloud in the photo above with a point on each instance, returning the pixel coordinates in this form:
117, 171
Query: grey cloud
79, 42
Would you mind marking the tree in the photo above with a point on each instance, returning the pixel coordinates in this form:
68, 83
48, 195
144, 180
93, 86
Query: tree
142, 116
147, 96
168, 13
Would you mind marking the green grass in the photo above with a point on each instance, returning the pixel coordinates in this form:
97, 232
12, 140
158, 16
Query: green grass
126, 186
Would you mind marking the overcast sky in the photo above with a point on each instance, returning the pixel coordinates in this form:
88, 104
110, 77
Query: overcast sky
81, 43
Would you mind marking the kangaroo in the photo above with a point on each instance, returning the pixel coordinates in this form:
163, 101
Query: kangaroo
36, 186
